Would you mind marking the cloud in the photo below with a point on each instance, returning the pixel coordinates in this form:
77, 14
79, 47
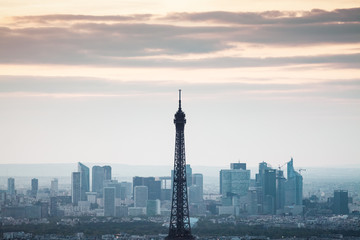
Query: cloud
65, 87
148, 41
244, 18
70, 17
270, 17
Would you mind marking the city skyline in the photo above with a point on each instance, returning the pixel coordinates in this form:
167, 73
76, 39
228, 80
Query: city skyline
270, 192
96, 83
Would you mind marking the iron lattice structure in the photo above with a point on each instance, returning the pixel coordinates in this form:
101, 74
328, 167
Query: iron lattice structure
179, 221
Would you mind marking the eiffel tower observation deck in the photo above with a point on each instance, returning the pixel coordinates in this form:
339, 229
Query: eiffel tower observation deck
179, 227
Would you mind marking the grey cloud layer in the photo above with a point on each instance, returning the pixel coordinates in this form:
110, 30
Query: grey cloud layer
70, 17
267, 17
271, 17
116, 44
341, 89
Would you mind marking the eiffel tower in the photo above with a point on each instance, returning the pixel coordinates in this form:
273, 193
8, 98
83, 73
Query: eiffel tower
179, 221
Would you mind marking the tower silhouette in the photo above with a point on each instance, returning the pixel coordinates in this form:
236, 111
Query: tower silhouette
179, 221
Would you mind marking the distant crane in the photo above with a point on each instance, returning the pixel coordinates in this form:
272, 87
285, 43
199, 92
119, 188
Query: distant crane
280, 167
301, 169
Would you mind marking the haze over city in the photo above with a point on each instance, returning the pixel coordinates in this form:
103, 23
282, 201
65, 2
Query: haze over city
262, 81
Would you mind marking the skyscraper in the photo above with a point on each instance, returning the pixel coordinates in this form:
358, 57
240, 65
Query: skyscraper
269, 191
140, 196
54, 187
234, 182
197, 180
11, 186
179, 227
154, 186
34, 187
99, 175
109, 201
75, 188
125, 190
153, 207
238, 166
2, 197
97, 179
53, 207
115, 184
188, 175
107, 172
266, 183
166, 188
293, 186
341, 202
280, 189
137, 181
195, 195
84, 180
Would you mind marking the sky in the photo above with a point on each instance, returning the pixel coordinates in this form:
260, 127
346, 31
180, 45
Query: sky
261, 81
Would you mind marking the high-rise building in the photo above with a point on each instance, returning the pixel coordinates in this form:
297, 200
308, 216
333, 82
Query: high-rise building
260, 176
115, 184
97, 179
253, 207
341, 202
34, 187
166, 188
166, 182
54, 187
140, 196
269, 191
126, 190
53, 207
280, 190
109, 201
44, 209
84, 180
75, 188
293, 186
188, 175
137, 181
154, 186
99, 175
197, 180
234, 182
2, 197
266, 182
238, 166
91, 197
195, 195
107, 172
179, 227
153, 207
11, 186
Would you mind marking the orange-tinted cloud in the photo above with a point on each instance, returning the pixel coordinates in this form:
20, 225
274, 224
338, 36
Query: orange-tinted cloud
150, 41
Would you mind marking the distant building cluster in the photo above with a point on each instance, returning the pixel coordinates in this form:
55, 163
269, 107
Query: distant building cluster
270, 193
149, 196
